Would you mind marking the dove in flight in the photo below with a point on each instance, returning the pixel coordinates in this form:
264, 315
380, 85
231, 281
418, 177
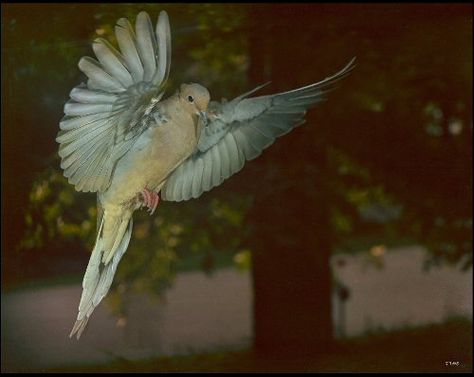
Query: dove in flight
121, 139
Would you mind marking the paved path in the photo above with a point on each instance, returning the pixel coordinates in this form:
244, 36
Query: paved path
201, 313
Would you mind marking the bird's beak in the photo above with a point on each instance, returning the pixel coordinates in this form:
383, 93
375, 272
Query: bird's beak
203, 115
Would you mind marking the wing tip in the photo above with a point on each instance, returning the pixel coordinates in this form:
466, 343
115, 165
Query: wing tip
246, 94
349, 66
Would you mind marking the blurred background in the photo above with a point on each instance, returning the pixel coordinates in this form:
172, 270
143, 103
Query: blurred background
347, 246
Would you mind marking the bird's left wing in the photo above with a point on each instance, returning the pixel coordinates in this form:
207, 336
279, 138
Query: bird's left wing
239, 131
104, 118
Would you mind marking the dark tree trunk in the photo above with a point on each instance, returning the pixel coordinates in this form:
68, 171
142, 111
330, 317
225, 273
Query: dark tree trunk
292, 282
291, 241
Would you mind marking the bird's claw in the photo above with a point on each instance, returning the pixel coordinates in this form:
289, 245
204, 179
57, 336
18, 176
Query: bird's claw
150, 200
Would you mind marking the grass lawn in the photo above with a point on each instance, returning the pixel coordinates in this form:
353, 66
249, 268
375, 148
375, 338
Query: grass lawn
436, 348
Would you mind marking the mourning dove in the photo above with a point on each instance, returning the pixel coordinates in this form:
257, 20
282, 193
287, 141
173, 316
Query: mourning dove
120, 139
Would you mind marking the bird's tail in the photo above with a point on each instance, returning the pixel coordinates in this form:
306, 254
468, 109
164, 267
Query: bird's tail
112, 240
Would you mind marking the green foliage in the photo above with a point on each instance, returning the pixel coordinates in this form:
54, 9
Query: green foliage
56, 212
243, 260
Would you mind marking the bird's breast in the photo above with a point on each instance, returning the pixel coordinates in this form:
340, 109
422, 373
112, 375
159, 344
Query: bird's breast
155, 154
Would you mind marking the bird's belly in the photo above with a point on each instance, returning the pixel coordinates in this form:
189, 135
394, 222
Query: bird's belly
154, 156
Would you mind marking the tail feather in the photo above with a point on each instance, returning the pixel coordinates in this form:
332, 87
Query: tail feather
99, 276
91, 276
109, 253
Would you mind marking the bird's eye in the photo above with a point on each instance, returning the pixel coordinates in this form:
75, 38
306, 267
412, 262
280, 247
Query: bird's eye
190, 99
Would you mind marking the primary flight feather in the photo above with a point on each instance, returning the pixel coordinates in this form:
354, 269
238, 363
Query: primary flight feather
121, 139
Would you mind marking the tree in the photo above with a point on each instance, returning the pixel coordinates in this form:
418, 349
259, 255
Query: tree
292, 238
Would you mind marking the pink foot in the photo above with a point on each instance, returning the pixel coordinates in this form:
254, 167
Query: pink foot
150, 200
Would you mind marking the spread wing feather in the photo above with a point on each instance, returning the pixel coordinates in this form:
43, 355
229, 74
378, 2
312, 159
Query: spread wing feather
104, 117
239, 131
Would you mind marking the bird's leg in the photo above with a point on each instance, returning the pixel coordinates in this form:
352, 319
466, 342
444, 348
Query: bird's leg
150, 199
156, 200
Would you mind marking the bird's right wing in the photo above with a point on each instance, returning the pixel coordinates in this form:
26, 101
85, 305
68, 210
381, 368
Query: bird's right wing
104, 117
239, 131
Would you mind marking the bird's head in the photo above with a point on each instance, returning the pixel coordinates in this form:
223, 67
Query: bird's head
194, 98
